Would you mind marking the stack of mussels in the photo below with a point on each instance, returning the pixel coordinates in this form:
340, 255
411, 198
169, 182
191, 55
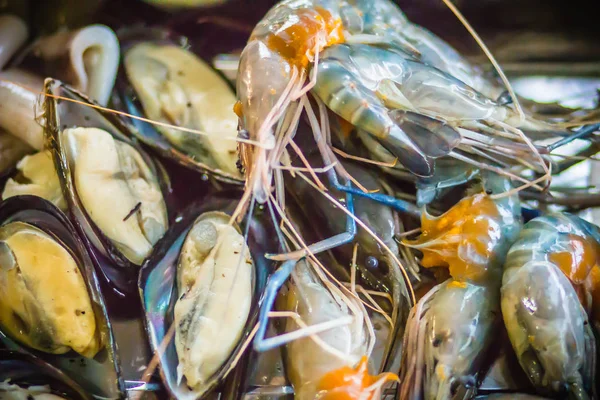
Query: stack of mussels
121, 187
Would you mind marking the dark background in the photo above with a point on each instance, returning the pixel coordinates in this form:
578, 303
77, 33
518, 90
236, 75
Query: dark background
517, 30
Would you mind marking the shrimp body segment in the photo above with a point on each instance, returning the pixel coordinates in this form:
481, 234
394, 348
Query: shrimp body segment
471, 238
273, 67
340, 372
408, 93
451, 327
550, 286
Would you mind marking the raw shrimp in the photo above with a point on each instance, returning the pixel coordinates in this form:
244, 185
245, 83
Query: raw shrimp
377, 268
383, 23
403, 97
334, 365
273, 67
550, 286
410, 107
450, 328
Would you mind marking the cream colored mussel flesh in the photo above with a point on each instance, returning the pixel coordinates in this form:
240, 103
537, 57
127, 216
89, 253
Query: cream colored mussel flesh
176, 87
45, 303
36, 176
215, 292
117, 190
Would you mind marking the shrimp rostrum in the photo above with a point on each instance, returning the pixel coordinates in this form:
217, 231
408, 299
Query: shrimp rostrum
451, 327
549, 293
393, 81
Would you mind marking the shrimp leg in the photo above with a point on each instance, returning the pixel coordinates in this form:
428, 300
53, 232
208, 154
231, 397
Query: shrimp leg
580, 134
397, 204
390, 201
279, 277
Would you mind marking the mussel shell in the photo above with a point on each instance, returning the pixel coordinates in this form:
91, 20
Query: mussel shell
60, 115
25, 370
126, 99
100, 376
158, 285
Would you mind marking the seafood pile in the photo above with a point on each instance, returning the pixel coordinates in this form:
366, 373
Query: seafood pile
336, 205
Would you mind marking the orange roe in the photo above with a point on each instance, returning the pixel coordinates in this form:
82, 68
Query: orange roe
349, 383
313, 30
472, 226
592, 286
237, 109
579, 262
346, 128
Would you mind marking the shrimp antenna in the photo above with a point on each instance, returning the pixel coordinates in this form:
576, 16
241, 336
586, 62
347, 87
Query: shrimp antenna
509, 87
489, 55
124, 114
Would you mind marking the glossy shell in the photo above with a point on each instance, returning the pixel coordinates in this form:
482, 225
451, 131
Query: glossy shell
158, 288
26, 370
99, 376
164, 90
60, 115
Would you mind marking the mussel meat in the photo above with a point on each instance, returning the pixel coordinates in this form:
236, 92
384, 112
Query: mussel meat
35, 269
206, 280
112, 187
37, 176
209, 271
51, 305
112, 181
175, 86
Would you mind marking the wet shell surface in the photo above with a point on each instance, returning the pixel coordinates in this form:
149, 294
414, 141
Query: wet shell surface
114, 190
206, 281
168, 83
23, 376
51, 305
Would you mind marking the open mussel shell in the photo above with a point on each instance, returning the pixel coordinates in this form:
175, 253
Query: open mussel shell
26, 371
61, 115
163, 80
100, 375
158, 286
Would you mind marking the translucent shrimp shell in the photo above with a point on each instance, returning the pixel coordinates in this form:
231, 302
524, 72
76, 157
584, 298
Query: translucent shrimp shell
314, 372
451, 327
273, 66
569, 243
550, 271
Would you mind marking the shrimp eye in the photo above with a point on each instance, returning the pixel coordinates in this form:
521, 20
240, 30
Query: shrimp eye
371, 262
